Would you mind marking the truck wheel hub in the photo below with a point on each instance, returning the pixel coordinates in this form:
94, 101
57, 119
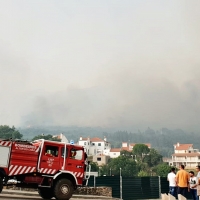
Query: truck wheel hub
64, 189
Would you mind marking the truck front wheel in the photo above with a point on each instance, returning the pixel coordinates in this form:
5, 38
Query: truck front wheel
63, 189
1, 184
45, 193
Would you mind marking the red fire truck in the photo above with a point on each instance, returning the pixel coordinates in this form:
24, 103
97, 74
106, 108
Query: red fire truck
55, 168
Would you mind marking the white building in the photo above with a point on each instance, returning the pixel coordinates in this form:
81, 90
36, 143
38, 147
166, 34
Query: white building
185, 154
61, 137
95, 146
85, 142
115, 152
129, 146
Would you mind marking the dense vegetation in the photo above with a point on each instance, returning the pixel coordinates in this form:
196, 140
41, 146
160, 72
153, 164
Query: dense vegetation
162, 140
141, 161
7, 132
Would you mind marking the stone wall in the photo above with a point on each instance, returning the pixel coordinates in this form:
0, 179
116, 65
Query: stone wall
100, 191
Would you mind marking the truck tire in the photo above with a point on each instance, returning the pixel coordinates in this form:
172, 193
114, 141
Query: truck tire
63, 189
45, 193
1, 184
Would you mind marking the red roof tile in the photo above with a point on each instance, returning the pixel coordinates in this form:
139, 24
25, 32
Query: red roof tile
125, 149
84, 139
115, 150
96, 139
183, 146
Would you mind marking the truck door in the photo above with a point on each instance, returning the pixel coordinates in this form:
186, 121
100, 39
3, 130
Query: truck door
63, 157
75, 162
50, 161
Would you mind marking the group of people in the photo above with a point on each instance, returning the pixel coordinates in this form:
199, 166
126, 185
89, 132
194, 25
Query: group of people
183, 182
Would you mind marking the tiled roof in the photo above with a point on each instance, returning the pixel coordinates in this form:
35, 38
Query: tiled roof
96, 139
57, 136
186, 154
183, 146
125, 148
84, 139
115, 150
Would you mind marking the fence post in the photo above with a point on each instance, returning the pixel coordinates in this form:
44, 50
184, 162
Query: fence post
94, 181
120, 183
159, 186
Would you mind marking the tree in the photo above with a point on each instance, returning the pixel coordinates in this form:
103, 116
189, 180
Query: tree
104, 170
140, 150
125, 153
128, 166
94, 167
46, 137
6, 132
142, 173
162, 169
153, 158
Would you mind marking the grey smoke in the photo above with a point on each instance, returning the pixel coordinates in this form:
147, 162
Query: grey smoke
129, 64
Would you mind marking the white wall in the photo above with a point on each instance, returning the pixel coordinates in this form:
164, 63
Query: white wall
85, 144
114, 154
106, 152
93, 148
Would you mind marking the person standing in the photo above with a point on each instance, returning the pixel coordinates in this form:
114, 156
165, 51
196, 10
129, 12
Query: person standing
193, 185
172, 182
198, 180
182, 181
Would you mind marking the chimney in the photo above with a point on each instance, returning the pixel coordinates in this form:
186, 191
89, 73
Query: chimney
178, 144
81, 138
105, 139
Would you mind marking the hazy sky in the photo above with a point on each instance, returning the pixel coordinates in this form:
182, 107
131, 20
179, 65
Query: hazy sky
109, 63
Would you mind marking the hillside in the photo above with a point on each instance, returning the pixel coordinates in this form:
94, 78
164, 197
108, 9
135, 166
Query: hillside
161, 140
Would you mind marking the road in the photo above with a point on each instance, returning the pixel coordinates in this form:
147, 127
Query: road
25, 197
22, 197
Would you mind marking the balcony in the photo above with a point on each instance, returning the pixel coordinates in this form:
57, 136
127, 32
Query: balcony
185, 160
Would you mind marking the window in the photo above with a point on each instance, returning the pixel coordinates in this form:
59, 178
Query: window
51, 151
114, 153
63, 151
84, 143
99, 144
76, 154
93, 144
99, 159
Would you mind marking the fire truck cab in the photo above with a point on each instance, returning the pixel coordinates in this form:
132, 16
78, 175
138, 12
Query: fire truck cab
55, 168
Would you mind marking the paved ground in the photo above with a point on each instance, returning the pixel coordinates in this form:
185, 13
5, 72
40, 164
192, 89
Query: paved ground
17, 194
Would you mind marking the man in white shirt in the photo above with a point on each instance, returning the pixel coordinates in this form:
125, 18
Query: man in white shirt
198, 180
172, 182
193, 185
